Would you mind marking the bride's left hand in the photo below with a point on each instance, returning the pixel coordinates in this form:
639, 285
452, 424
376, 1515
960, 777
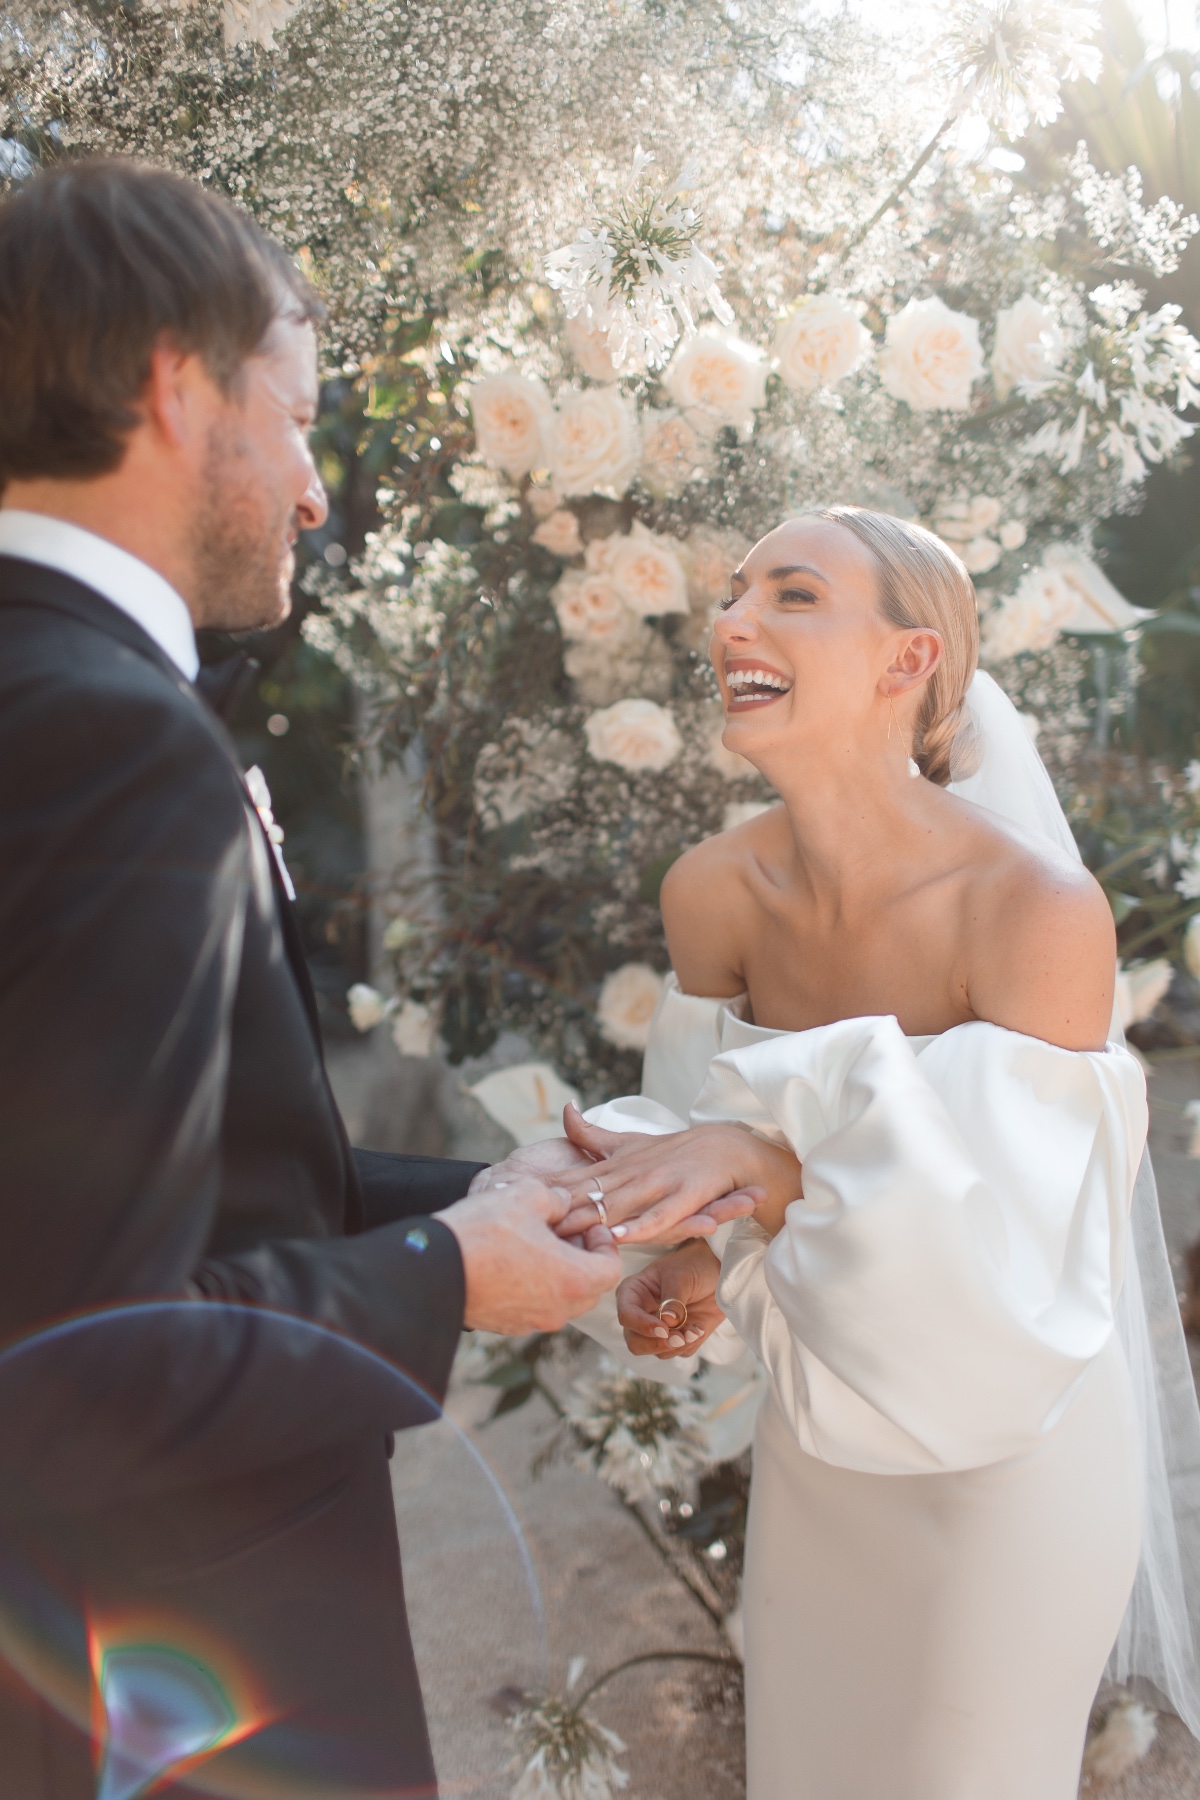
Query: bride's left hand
653, 1185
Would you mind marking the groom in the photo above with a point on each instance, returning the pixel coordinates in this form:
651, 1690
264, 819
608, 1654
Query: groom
208, 1476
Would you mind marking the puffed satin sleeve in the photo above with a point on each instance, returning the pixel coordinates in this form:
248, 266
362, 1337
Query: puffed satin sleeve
953, 1268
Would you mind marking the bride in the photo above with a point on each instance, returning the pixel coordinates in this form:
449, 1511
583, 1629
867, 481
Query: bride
889, 1029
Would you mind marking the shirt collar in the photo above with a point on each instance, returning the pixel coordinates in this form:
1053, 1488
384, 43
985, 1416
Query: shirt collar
128, 583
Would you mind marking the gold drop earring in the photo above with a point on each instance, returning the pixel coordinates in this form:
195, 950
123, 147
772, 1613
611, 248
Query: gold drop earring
913, 770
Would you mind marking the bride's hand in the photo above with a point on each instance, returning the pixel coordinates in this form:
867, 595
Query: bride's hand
652, 1186
688, 1274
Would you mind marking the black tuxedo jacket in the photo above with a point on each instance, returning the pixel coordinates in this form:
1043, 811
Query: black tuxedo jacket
167, 1133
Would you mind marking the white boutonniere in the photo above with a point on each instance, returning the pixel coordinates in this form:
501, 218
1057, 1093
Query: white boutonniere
260, 799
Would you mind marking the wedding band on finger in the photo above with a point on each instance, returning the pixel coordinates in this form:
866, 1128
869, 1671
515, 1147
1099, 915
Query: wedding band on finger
596, 1195
673, 1313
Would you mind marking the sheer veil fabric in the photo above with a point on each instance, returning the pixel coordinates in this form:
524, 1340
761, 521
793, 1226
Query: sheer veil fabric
1157, 1651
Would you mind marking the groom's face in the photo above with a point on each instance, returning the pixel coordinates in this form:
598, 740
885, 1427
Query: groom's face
258, 487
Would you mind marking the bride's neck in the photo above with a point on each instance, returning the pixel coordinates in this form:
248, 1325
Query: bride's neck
851, 831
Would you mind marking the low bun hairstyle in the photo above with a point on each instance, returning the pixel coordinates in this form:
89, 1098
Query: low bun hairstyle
923, 583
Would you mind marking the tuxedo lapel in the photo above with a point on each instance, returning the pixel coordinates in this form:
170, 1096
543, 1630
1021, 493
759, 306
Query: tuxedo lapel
26, 583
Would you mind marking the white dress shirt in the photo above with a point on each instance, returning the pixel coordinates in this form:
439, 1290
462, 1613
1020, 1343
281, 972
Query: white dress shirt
124, 580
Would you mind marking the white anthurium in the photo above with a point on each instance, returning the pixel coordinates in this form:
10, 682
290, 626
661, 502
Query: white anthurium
527, 1099
1140, 987
414, 1029
1098, 606
366, 1006
628, 1002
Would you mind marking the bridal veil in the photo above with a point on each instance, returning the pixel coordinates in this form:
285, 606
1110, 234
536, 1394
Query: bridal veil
1157, 1647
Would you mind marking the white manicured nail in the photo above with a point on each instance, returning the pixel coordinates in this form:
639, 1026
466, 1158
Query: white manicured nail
661, 1331
620, 1231
675, 1341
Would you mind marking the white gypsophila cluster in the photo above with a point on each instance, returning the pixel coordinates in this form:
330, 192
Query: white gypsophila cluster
381, 629
640, 1437
1008, 59
563, 1754
638, 272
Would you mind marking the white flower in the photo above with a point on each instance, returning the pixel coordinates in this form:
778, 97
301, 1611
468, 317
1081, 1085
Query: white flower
543, 501
1028, 348
1031, 619
640, 1435
593, 442
631, 660
740, 812
719, 377
958, 521
366, 1005
1123, 1738
255, 21
1140, 987
1185, 854
588, 606
527, 1099
674, 449
588, 344
559, 534
628, 1001
980, 554
1098, 606
1012, 534
565, 1755
414, 1029
1009, 58
1191, 1116
728, 764
647, 573
1191, 776
637, 735
931, 356
512, 415
819, 343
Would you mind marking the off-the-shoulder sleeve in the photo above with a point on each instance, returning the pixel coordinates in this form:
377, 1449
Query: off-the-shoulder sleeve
954, 1265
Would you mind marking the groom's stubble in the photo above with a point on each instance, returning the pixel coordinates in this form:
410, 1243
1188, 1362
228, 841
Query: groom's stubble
241, 540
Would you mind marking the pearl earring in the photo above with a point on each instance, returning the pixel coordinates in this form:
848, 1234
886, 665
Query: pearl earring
913, 770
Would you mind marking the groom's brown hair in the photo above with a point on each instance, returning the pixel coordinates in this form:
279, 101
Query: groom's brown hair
100, 259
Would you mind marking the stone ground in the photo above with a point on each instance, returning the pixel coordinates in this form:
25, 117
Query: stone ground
512, 1575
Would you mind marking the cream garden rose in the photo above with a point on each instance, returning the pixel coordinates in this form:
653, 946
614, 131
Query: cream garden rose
512, 416
559, 534
588, 606
594, 446
1030, 619
931, 356
627, 1004
674, 449
819, 343
637, 735
720, 377
1028, 347
646, 571
588, 345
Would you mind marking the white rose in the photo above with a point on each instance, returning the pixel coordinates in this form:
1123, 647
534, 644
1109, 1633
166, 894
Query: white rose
637, 735
512, 415
647, 573
366, 1005
719, 377
1013, 534
931, 356
588, 345
1028, 348
819, 343
559, 534
628, 1001
740, 812
588, 606
1031, 619
979, 555
728, 764
593, 442
673, 450
710, 557
631, 660
414, 1029
543, 501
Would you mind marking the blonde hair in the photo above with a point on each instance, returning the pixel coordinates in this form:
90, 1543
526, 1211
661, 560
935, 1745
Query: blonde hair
923, 583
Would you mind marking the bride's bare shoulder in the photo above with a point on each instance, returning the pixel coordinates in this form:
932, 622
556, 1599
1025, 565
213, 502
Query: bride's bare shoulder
1041, 944
706, 901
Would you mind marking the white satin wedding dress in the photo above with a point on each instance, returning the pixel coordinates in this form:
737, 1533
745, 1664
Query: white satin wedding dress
951, 1464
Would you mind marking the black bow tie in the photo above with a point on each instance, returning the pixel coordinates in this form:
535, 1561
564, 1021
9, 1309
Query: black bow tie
222, 684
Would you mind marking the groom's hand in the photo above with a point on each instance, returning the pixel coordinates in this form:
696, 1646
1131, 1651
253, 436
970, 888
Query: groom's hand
543, 1161
520, 1276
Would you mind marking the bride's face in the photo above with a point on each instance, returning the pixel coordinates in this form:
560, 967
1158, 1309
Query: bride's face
801, 649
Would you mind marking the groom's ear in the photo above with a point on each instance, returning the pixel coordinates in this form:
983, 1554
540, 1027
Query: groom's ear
917, 656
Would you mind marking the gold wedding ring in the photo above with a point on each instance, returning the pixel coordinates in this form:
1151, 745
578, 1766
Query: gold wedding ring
596, 1195
673, 1313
